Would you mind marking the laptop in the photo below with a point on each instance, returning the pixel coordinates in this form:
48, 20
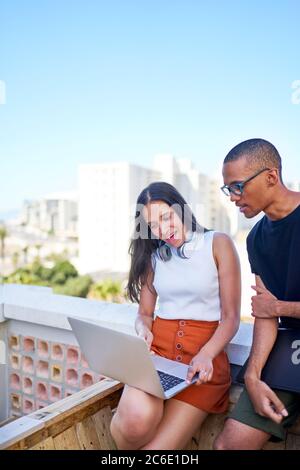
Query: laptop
282, 369
126, 358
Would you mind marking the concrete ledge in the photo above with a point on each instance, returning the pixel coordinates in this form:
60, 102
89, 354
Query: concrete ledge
39, 306
239, 347
2, 319
10, 292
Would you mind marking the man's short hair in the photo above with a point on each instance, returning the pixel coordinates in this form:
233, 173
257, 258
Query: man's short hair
259, 154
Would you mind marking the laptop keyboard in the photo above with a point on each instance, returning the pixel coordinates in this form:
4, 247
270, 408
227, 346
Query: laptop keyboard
168, 381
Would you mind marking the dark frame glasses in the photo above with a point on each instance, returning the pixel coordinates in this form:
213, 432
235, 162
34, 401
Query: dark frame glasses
238, 188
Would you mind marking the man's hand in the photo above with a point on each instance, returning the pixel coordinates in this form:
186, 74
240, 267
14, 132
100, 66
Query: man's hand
263, 304
201, 363
265, 401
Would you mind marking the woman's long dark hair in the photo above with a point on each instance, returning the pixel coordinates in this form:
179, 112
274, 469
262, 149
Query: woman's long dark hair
141, 248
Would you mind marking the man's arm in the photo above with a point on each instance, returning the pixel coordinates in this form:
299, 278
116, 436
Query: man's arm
287, 309
266, 305
265, 401
264, 336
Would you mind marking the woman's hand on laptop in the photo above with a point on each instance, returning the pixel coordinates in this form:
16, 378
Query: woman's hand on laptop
145, 333
202, 364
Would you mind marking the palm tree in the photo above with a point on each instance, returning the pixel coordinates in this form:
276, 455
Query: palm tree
25, 252
15, 259
38, 247
3, 235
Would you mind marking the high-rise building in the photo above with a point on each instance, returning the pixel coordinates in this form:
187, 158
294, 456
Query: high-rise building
107, 200
55, 213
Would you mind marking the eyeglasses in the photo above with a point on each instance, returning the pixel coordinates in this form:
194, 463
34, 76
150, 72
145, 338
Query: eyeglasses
238, 188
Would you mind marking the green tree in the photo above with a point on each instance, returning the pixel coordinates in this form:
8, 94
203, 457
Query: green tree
24, 276
107, 290
63, 277
77, 286
3, 235
62, 271
43, 273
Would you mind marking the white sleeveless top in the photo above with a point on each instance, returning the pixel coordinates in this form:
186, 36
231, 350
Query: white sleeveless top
188, 288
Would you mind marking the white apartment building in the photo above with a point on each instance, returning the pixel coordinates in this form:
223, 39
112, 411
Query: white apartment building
56, 213
107, 199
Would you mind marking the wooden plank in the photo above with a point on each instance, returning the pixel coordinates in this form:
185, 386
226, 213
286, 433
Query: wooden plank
102, 421
18, 429
274, 445
292, 442
67, 440
46, 444
81, 412
8, 420
87, 434
295, 429
54, 422
210, 429
195, 441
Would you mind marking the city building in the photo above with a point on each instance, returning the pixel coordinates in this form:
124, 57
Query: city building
107, 200
55, 214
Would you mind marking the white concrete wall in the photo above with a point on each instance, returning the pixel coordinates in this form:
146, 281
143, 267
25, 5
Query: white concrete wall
38, 314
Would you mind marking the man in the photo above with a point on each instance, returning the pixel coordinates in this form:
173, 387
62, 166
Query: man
253, 180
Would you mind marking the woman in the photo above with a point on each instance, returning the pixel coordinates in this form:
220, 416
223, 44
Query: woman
195, 274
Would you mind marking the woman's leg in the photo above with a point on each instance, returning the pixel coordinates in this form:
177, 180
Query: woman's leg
180, 421
136, 419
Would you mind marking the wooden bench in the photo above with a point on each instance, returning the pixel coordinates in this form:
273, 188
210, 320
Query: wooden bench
82, 421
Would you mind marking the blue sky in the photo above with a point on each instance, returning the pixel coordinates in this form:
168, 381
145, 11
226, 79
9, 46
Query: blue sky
94, 81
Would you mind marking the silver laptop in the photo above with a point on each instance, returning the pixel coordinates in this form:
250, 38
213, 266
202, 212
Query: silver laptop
126, 358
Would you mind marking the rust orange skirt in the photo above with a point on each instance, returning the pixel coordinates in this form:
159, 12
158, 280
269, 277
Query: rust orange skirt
181, 340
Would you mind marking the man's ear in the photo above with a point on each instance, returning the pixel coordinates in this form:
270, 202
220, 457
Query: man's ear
273, 177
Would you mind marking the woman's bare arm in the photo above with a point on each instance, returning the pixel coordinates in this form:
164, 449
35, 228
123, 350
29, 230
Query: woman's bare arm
228, 266
143, 323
